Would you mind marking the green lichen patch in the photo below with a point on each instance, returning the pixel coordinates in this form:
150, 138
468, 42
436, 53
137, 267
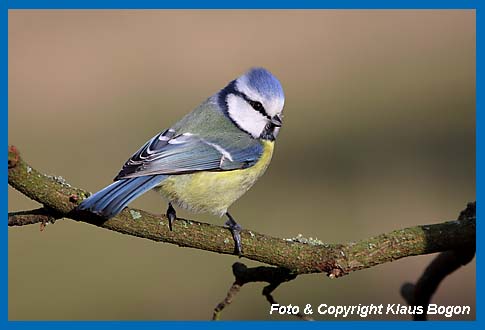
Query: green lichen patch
135, 215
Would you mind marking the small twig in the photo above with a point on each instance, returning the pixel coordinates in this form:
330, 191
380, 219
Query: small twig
231, 293
243, 275
42, 215
444, 264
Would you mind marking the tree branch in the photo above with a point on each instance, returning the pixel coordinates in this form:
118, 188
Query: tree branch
30, 217
274, 276
444, 264
298, 255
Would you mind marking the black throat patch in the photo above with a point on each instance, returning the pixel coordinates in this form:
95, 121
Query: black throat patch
268, 132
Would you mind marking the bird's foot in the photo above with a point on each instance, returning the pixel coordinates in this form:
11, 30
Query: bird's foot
171, 215
235, 229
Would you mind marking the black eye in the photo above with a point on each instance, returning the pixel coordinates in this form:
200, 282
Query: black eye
256, 105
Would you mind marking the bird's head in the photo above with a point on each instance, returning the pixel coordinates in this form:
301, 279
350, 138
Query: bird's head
254, 102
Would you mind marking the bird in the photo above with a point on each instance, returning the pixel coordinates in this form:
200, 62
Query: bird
208, 159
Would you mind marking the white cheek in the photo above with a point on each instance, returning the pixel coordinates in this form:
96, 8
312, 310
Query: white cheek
245, 116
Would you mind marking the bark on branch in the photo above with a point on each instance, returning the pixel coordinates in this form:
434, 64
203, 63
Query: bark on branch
298, 255
444, 264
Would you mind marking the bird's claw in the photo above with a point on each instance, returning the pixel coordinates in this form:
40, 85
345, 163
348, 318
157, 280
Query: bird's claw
171, 215
235, 229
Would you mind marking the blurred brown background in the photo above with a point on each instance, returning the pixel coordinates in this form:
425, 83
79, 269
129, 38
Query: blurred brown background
379, 134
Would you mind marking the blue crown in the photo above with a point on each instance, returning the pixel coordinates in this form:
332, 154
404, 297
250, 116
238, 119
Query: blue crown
265, 83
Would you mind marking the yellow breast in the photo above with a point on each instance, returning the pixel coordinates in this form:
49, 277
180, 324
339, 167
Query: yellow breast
214, 192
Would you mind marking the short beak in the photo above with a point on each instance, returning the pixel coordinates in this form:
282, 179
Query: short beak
276, 120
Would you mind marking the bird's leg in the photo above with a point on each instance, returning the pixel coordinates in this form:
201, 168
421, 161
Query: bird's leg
235, 229
171, 215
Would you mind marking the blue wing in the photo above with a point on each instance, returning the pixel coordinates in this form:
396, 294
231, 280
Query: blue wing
168, 153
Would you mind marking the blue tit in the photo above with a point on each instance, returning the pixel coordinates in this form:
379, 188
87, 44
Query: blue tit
208, 159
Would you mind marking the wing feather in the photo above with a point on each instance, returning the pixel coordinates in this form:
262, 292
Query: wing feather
171, 153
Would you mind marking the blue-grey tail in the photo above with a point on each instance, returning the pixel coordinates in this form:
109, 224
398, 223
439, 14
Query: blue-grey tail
111, 200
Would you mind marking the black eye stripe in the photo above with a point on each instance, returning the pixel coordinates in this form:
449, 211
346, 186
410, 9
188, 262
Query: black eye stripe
232, 89
222, 100
255, 105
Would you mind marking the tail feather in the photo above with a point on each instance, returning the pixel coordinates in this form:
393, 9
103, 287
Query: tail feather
107, 194
111, 200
